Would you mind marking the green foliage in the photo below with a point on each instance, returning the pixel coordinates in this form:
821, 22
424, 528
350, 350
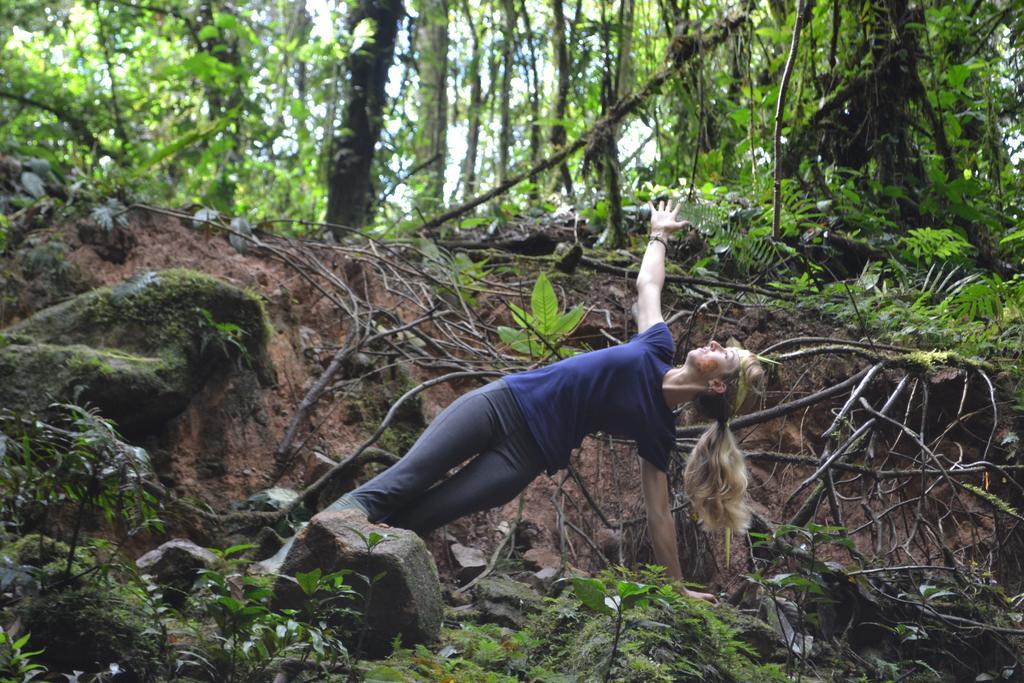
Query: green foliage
251, 636
16, 661
77, 461
626, 596
801, 575
543, 328
228, 337
928, 244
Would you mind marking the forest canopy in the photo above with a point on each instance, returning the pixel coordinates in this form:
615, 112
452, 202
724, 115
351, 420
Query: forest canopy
900, 116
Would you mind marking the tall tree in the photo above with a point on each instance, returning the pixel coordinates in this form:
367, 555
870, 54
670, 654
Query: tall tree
561, 54
508, 11
475, 107
431, 148
349, 182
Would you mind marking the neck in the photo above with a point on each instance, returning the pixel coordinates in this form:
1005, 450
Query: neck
680, 385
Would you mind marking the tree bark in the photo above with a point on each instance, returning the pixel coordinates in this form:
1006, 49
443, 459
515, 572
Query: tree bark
535, 89
558, 46
508, 52
431, 145
349, 183
475, 107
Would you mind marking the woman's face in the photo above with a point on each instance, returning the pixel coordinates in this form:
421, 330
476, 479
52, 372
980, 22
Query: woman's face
713, 361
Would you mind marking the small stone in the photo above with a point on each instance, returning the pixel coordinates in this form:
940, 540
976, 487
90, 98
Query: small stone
506, 602
539, 558
471, 562
317, 465
175, 565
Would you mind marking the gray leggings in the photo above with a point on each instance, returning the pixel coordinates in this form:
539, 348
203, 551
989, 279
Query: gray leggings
485, 421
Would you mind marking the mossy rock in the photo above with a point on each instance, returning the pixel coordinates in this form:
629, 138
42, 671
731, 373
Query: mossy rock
89, 628
138, 351
48, 555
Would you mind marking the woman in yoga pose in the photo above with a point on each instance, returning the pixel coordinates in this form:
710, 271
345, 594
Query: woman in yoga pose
529, 422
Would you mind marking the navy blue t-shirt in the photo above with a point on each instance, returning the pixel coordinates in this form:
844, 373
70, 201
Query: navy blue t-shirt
615, 390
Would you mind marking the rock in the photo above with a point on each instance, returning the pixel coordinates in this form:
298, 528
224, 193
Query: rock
317, 465
137, 351
406, 601
470, 561
537, 559
503, 601
271, 500
543, 579
174, 565
90, 627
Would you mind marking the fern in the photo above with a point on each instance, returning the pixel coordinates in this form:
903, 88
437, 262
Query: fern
928, 244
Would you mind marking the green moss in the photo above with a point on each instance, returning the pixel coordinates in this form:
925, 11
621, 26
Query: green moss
89, 627
928, 360
48, 555
137, 350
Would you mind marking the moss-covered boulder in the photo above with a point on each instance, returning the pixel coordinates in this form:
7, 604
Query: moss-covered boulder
138, 350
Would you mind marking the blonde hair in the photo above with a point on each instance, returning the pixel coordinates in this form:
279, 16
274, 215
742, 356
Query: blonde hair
716, 473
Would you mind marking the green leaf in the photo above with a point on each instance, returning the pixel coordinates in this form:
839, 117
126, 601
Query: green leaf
187, 140
522, 318
566, 323
308, 580
364, 33
545, 305
1012, 237
384, 674
207, 32
225, 21
591, 593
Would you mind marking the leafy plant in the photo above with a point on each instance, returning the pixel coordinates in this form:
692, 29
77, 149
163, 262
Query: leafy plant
78, 460
225, 336
928, 244
15, 662
371, 541
626, 596
800, 575
542, 329
250, 636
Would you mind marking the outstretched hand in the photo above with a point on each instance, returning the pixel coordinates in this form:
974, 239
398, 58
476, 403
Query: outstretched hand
663, 218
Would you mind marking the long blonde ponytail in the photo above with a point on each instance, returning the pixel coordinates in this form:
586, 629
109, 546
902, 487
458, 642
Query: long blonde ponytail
716, 472
716, 480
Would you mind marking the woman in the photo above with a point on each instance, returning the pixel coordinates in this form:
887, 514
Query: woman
530, 421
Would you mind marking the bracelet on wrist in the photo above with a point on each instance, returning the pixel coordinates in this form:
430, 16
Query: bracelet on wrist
658, 238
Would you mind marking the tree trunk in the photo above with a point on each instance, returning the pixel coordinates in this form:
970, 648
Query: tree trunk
349, 184
558, 46
508, 52
475, 106
619, 88
535, 88
430, 141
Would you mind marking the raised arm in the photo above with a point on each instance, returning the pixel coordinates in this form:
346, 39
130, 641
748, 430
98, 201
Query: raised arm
651, 279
